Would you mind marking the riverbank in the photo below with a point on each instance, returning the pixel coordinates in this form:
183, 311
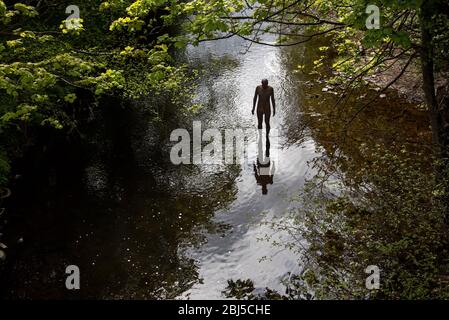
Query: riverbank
408, 85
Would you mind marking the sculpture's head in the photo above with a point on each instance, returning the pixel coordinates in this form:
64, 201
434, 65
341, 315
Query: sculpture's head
264, 83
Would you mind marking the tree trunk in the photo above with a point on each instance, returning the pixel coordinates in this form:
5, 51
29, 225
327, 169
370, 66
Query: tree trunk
436, 111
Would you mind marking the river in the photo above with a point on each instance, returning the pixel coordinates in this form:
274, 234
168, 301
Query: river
140, 227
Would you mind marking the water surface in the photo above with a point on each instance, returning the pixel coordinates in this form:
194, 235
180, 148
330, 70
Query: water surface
140, 227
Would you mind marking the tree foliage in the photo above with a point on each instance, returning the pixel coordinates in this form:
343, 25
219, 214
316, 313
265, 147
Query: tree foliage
50, 64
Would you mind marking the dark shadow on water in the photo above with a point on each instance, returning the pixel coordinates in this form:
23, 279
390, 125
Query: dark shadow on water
118, 209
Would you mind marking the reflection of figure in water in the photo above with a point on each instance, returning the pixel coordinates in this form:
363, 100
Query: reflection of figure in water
264, 93
264, 167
